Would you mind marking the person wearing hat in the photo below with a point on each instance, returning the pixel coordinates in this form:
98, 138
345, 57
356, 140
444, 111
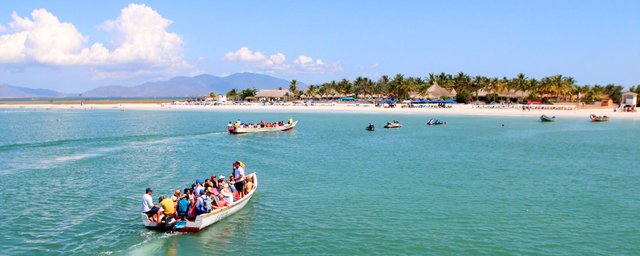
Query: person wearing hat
226, 193
176, 195
148, 207
198, 188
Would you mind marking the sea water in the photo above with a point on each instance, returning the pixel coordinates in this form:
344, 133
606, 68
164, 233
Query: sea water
72, 182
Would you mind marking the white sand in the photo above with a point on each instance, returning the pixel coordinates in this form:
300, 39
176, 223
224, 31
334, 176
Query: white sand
456, 109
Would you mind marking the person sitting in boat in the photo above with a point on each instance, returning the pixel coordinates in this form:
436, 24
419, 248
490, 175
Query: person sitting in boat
183, 207
262, 123
230, 126
226, 193
220, 202
238, 175
220, 182
176, 195
201, 203
199, 187
168, 207
248, 186
148, 207
290, 120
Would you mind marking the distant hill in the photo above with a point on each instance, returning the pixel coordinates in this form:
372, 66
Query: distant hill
182, 86
9, 91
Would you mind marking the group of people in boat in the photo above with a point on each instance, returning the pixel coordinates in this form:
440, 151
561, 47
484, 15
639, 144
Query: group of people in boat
201, 197
262, 124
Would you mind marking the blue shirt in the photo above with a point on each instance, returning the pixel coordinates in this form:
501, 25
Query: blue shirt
183, 205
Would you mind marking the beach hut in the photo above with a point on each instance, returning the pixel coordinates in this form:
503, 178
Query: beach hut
629, 98
436, 92
606, 103
272, 95
629, 101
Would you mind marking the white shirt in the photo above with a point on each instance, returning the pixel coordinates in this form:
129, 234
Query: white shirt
198, 188
239, 171
147, 203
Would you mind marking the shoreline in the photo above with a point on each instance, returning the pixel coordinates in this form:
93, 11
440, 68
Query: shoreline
456, 109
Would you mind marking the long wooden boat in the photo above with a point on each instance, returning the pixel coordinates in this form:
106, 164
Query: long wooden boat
206, 219
545, 118
595, 118
285, 127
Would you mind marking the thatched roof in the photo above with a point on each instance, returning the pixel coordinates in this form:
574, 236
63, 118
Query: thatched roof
435, 92
268, 93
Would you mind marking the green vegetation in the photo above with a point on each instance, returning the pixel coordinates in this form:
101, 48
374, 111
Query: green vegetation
246, 93
556, 88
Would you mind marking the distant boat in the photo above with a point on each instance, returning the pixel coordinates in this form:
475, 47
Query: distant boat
545, 118
595, 118
282, 128
370, 128
203, 220
435, 122
394, 124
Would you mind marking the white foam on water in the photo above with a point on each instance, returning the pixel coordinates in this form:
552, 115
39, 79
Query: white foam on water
152, 243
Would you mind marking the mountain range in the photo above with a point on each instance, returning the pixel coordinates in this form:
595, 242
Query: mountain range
180, 86
9, 91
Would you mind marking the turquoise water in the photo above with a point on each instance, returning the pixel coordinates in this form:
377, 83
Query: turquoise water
71, 183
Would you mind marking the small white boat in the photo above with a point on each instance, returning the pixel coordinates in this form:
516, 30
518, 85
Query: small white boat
206, 219
283, 128
394, 124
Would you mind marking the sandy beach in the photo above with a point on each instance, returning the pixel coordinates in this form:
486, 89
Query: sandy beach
456, 109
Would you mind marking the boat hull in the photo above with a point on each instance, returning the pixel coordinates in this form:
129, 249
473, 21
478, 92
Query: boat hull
393, 126
544, 118
204, 220
284, 128
595, 118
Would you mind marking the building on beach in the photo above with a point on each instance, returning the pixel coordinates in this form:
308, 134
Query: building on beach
434, 92
629, 99
272, 95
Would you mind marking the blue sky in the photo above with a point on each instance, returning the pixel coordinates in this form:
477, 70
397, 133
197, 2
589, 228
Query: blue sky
74, 46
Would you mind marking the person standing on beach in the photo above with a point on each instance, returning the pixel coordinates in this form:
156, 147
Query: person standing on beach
238, 174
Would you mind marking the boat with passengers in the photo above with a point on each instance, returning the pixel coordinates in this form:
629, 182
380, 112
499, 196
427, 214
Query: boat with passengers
595, 118
241, 128
394, 124
203, 220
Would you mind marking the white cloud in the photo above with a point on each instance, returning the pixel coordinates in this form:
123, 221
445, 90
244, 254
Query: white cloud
2, 28
140, 44
244, 54
277, 62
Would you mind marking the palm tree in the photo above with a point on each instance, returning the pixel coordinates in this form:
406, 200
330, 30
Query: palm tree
359, 86
398, 87
345, 87
520, 83
213, 95
382, 86
311, 91
232, 94
293, 88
